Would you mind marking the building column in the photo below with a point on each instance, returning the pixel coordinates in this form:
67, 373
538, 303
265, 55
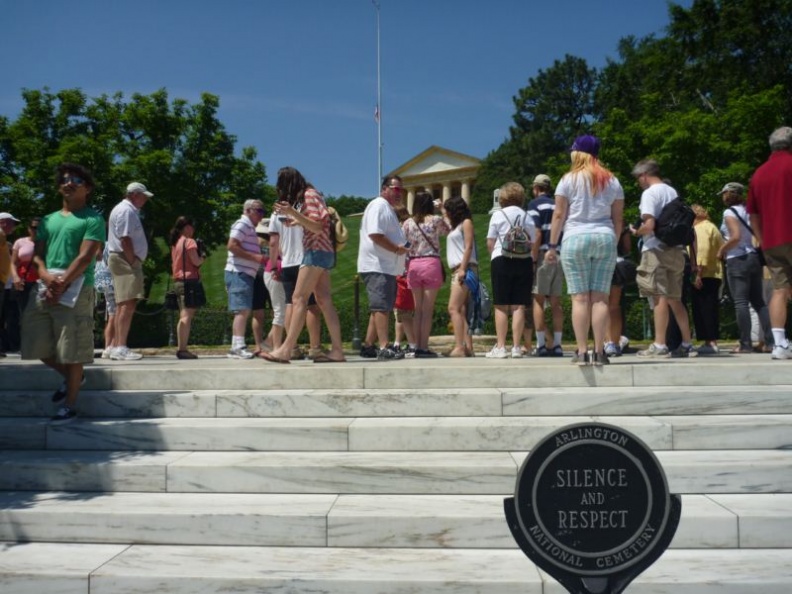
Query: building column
466, 190
446, 191
410, 199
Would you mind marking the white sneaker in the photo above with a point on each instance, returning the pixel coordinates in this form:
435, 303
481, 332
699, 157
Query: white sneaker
780, 352
106, 353
610, 349
516, 352
497, 353
624, 342
124, 354
240, 353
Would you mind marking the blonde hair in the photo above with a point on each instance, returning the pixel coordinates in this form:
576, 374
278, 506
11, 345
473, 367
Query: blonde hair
511, 194
597, 176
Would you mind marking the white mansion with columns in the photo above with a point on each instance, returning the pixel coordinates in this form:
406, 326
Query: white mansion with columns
442, 172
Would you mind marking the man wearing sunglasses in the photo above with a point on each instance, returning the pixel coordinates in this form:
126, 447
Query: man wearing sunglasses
58, 324
128, 247
380, 259
243, 261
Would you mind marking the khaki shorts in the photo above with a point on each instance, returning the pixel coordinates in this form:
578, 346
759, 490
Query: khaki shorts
660, 273
549, 280
65, 334
779, 264
127, 279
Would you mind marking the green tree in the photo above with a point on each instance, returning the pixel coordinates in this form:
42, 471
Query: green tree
182, 152
555, 106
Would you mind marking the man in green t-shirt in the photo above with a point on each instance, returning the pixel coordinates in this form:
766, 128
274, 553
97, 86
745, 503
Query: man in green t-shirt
57, 327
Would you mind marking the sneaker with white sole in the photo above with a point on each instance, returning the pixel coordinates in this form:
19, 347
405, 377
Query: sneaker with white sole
240, 353
124, 354
654, 351
64, 415
782, 352
610, 349
107, 352
516, 352
497, 353
60, 393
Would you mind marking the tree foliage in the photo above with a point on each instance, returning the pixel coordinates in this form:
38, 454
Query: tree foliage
701, 100
182, 152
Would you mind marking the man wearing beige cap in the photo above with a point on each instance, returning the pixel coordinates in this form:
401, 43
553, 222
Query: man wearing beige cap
128, 247
549, 277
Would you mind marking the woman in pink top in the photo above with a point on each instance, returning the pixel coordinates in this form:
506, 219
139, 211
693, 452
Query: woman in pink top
25, 276
187, 260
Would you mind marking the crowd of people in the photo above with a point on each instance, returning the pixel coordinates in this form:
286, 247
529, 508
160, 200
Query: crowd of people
572, 235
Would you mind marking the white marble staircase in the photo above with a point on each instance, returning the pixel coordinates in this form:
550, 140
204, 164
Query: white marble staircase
228, 476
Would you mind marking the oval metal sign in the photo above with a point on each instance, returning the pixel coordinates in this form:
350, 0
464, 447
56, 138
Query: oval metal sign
592, 499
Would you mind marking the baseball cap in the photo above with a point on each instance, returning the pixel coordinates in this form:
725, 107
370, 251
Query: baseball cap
733, 187
586, 144
137, 187
542, 180
7, 215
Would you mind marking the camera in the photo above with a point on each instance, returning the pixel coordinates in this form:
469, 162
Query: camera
202, 251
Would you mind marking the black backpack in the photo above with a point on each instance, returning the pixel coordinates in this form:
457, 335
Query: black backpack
674, 226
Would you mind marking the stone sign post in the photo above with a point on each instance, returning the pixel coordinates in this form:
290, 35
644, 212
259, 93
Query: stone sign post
592, 508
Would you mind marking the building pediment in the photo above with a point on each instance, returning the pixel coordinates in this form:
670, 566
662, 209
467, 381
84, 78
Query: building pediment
436, 160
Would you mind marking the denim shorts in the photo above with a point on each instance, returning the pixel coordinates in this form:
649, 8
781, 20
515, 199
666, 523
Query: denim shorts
319, 258
240, 290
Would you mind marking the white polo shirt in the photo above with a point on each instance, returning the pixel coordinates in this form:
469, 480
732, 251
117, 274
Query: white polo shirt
125, 222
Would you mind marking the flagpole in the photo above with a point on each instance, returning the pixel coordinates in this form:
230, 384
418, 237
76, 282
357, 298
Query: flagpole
378, 111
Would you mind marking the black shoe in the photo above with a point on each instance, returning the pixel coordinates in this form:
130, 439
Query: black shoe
368, 352
60, 393
425, 354
601, 359
64, 415
389, 354
185, 355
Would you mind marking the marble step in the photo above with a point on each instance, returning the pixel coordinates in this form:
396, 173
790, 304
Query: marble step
739, 399
219, 373
115, 569
370, 521
383, 434
428, 473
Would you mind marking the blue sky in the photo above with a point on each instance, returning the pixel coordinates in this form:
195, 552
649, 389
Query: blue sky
297, 78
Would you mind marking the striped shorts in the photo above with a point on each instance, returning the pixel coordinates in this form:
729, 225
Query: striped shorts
589, 260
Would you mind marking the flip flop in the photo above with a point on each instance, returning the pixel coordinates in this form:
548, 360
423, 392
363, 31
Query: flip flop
273, 359
326, 359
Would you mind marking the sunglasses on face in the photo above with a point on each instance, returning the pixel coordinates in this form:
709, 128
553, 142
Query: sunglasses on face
74, 179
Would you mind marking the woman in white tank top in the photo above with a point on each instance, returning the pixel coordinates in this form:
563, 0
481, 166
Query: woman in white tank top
461, 257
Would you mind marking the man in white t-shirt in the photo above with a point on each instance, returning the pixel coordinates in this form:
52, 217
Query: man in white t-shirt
662, 267
381, 259
128, 248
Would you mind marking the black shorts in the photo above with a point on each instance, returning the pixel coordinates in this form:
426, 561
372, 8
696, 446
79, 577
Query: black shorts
512, 281
288, 277
261, 297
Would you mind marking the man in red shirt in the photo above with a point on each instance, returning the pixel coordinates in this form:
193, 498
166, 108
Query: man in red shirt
770, 208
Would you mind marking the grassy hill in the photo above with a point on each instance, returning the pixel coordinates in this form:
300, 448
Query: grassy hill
343, 275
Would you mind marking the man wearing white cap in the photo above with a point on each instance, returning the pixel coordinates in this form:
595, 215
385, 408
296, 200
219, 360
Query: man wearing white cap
128, 247
8, 223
